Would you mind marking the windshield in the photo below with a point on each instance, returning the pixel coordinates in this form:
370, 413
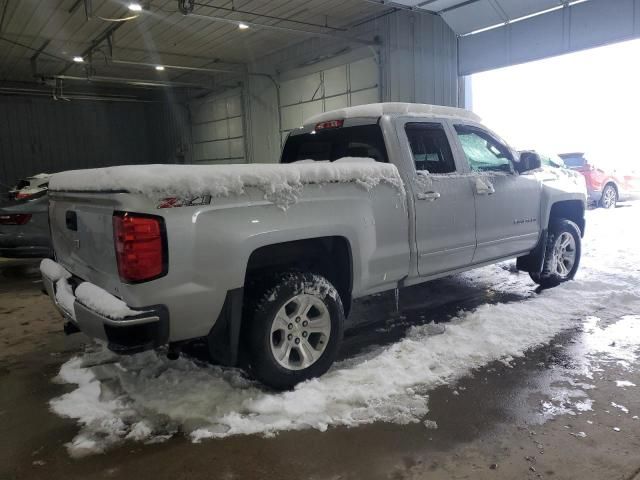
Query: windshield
331, 144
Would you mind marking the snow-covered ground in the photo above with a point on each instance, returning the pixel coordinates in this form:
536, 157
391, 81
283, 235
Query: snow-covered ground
149, 398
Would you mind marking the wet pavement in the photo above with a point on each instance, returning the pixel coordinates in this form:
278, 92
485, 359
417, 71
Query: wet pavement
567, 410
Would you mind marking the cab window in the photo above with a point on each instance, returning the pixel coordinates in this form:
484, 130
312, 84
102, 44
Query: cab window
483, 152
334, 143
430, 148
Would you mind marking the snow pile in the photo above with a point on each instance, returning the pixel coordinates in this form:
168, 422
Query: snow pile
103, 302
65, 297
281, 184
52, 270
148, 398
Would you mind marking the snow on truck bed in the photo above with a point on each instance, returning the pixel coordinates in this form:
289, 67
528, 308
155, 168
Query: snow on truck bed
281, 184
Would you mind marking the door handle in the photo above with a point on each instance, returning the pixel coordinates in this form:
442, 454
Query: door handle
431, 196
484, 187
486, 191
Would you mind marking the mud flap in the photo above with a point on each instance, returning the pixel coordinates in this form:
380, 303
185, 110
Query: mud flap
223, 339
534, 261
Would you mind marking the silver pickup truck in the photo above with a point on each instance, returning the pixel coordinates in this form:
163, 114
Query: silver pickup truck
266, 258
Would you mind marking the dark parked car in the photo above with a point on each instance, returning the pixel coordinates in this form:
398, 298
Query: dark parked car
605, 186
24, 222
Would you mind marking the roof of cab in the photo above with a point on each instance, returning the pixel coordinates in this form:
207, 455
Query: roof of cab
376, 110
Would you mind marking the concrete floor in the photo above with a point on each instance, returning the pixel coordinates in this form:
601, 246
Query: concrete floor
502, 422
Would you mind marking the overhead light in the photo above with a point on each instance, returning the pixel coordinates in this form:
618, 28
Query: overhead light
160, 68
135, 7
243, 26
78, 59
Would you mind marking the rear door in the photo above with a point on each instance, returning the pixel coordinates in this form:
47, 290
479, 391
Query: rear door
507, 204
443, 198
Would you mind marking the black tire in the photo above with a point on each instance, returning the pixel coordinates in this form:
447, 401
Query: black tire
609, 198
279, 292
550, 275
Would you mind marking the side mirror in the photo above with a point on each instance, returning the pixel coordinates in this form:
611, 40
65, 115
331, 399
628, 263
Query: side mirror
528, 161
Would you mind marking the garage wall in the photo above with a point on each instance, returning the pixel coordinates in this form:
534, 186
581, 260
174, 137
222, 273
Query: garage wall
420, 60
354, 83
569, 29
42, 135
217, 125
416, 62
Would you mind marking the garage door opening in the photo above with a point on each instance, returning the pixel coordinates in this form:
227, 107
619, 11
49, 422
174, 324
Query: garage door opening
581, 102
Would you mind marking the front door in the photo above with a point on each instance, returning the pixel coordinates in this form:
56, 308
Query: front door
507, 203
443, 198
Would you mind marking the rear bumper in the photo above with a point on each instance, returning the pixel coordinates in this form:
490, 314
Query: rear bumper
128, 335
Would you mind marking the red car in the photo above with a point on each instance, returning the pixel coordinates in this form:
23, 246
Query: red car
605, 188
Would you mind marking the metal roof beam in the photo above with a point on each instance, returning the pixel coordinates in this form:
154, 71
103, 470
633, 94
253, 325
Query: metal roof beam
459, 5
281, 28
96, 42
178, 67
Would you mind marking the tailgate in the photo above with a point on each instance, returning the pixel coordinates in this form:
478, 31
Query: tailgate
82, 235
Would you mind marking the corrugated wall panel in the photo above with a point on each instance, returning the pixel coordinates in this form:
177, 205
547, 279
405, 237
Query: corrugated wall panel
41, 135
169, 133
418, 63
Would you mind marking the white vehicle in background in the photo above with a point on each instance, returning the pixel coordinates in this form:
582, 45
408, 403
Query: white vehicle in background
268, 258
31, 187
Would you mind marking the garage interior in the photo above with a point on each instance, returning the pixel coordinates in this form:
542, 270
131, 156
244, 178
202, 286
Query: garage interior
96, 83
235, 78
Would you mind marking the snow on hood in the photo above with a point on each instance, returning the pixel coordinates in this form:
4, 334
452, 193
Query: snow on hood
281, 184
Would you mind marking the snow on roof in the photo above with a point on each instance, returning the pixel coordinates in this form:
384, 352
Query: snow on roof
282, 184
376, 110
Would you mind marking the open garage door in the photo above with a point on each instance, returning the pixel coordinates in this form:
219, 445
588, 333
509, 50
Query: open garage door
353, 83
217, 129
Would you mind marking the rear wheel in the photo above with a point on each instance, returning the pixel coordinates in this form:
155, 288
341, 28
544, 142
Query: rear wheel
295, 330
609, 197
562, 254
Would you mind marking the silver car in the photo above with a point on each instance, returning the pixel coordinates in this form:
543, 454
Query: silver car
24, 222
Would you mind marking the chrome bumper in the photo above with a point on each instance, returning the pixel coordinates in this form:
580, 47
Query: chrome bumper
132, 334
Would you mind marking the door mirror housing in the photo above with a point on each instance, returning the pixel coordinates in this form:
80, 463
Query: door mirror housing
528, 161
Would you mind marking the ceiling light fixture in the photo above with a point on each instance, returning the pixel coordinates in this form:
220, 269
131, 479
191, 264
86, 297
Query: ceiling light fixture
243, 26
78, 59
135, 7
160, 68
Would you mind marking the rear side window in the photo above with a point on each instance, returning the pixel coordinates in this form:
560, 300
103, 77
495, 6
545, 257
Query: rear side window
334, 143
430, 147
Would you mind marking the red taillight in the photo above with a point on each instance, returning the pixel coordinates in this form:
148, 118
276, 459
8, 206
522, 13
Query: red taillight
15, 219
140, 246
22, 196
329, 124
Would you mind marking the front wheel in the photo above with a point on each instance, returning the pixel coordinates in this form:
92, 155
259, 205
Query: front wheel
562, 255
296, 328
609, 197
